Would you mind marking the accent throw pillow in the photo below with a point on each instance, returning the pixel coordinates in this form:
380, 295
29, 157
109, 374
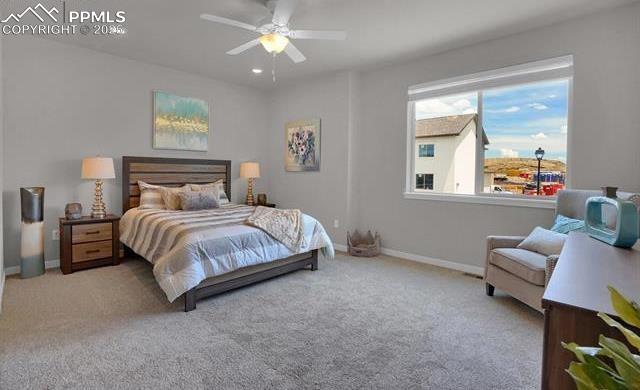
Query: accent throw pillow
199, 200
218, 185
544, 241
170, 197
565, 225
150, 196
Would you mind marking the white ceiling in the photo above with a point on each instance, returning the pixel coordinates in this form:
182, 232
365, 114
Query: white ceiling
170, 33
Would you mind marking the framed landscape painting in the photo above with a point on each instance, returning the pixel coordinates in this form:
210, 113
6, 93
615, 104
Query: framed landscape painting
180, 123
303, 145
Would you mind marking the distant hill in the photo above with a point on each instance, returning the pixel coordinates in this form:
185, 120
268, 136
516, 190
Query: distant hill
502, 165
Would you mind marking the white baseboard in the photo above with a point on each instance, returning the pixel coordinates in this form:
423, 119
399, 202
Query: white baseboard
470, 269
47, 264
340, 247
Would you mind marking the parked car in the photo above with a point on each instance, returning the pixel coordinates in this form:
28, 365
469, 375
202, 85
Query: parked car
499, 190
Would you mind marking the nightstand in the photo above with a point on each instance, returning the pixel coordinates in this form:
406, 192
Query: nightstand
89, 242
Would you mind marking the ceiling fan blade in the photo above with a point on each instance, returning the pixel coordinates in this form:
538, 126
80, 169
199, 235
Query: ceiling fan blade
283, 11
244, 47
230, 22
312, 34
293, 53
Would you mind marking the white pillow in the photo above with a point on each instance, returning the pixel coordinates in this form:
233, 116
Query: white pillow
544, 241
150, 196
171, 196
218, 185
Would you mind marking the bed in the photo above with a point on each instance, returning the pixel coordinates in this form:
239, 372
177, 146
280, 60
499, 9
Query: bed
198, 254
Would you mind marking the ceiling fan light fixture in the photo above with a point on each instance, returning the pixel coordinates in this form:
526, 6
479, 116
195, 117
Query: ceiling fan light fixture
274, 42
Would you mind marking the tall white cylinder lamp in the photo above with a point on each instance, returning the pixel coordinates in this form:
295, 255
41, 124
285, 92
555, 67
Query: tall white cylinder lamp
32, 234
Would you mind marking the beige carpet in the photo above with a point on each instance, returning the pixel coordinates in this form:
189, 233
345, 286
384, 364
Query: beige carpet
355, 323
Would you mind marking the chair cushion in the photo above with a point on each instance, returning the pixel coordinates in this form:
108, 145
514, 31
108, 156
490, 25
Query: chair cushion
522, 263
543, 241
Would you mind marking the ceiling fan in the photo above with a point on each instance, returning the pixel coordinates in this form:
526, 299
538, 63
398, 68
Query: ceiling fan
275, 32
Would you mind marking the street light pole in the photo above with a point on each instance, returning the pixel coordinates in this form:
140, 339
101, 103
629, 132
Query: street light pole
539, 155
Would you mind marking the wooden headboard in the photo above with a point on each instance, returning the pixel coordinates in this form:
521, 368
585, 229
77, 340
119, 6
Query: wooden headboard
170, 172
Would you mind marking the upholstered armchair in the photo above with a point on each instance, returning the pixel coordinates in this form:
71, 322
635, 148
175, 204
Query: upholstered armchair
521, 273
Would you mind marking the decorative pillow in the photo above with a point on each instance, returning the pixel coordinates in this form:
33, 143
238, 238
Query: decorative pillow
219, 185
170, 197
150, 196
199, 200
543, 241
565, 225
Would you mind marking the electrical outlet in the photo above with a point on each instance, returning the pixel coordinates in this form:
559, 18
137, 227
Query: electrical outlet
55, 235
336, 223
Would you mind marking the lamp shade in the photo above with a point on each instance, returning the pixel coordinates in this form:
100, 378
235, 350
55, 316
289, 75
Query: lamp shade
98, 168
250, 169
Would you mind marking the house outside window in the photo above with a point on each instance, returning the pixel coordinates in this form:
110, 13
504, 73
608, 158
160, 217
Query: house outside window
426, 150
424, 181
455, 137
487, 127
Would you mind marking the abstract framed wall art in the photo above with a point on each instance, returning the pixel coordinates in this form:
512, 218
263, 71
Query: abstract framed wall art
180, 123
302, 145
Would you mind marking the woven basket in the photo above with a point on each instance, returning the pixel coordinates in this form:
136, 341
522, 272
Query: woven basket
366, 245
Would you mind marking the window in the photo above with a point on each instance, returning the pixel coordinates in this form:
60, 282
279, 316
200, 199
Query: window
426, 150
500, 132
424, 181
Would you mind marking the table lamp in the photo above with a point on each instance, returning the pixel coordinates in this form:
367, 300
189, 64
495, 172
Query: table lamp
250, 170
98, 168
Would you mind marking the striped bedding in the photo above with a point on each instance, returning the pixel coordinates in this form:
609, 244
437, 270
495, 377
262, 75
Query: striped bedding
186, 247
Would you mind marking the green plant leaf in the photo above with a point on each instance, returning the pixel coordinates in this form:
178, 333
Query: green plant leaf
626, 365
590, 376
596, 362
575, 348
580, 377
628, 311
631, 337
588, 355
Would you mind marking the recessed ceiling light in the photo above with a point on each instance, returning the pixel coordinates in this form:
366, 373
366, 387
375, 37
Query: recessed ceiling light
256, 70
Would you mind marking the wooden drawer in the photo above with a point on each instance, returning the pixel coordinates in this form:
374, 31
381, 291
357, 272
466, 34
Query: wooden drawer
91, 232
92, 251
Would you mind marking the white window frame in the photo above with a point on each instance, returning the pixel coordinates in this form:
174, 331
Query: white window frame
433, 181
559, 68
433, 146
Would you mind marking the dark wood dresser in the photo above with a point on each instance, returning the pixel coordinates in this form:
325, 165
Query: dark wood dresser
576, 292
89, 242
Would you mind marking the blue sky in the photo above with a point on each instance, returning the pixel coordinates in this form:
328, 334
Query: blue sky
517, 119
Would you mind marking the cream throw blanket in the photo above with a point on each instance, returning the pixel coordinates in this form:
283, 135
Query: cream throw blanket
283, 225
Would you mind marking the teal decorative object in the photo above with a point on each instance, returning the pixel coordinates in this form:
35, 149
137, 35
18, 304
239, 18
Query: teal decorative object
625, 233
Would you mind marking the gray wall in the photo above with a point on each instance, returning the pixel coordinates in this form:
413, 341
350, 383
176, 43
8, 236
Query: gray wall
86, 103
324, 194
1, 172
364, 137
603, 140
64, 103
